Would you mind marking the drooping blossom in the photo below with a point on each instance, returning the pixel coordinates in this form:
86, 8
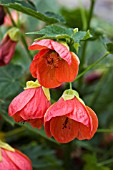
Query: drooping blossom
7, 46
30, 105
2, 14
70, 118
54, 64
13, 159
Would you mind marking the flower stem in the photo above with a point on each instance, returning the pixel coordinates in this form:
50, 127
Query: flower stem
83, 56
105, 162
15, 132
70, 84
91, 66
67, 156
105, 130
22, 35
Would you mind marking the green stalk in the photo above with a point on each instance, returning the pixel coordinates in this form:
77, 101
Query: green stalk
67, 156
105, 130
83, 56
105, 162
22, 35
70, 84
91, 66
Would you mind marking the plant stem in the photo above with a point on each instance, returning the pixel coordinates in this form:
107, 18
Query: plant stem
70, 84
15, 132
91, 66
105, 162
22, 35
105, 130
83, 56
67, 156
13, 22
83, 15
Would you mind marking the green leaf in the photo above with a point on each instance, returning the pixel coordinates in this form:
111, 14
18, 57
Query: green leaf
28, 8
41, 157
9, 80
9, 86
110, 47
81, 35
91, 163
54, 32
59, 33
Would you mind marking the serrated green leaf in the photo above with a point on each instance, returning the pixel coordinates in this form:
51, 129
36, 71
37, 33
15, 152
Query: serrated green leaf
54, 32
81, 35
9, 80
9, 87
28, 8
59, 32
110, 47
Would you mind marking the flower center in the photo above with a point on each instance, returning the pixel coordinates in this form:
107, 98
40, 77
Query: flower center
52, 60
65, 123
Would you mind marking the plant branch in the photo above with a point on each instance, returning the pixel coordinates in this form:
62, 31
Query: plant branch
91, 66
22, 35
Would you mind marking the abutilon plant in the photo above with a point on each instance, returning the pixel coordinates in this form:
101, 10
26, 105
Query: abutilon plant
70, 118
54, 64
30, 105
13, 159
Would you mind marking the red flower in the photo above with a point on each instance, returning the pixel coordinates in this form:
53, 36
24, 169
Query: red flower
54, 64
7, 49
30, 105
14, 160
69, 119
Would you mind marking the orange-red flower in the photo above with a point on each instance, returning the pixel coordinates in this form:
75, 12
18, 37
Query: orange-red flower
54, 64
12, 159
70, 118
30, 105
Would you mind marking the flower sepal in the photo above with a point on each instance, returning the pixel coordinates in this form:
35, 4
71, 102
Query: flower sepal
6, 146
32, 84
70, 94
14, 34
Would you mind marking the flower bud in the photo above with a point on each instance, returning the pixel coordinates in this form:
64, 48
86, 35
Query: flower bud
7, 46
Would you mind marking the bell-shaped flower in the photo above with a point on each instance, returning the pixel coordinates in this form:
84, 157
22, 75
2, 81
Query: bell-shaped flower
13, 159
70, 118
54, 64
30, 105
7, 46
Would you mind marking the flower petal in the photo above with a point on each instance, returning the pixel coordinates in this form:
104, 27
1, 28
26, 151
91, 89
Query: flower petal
44, 73
79, 113
34, 65
62, 50
20, 101
41, 44
65, 72
66, 129
36, 107
36, 123
6, 163
94, 123
20, 160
